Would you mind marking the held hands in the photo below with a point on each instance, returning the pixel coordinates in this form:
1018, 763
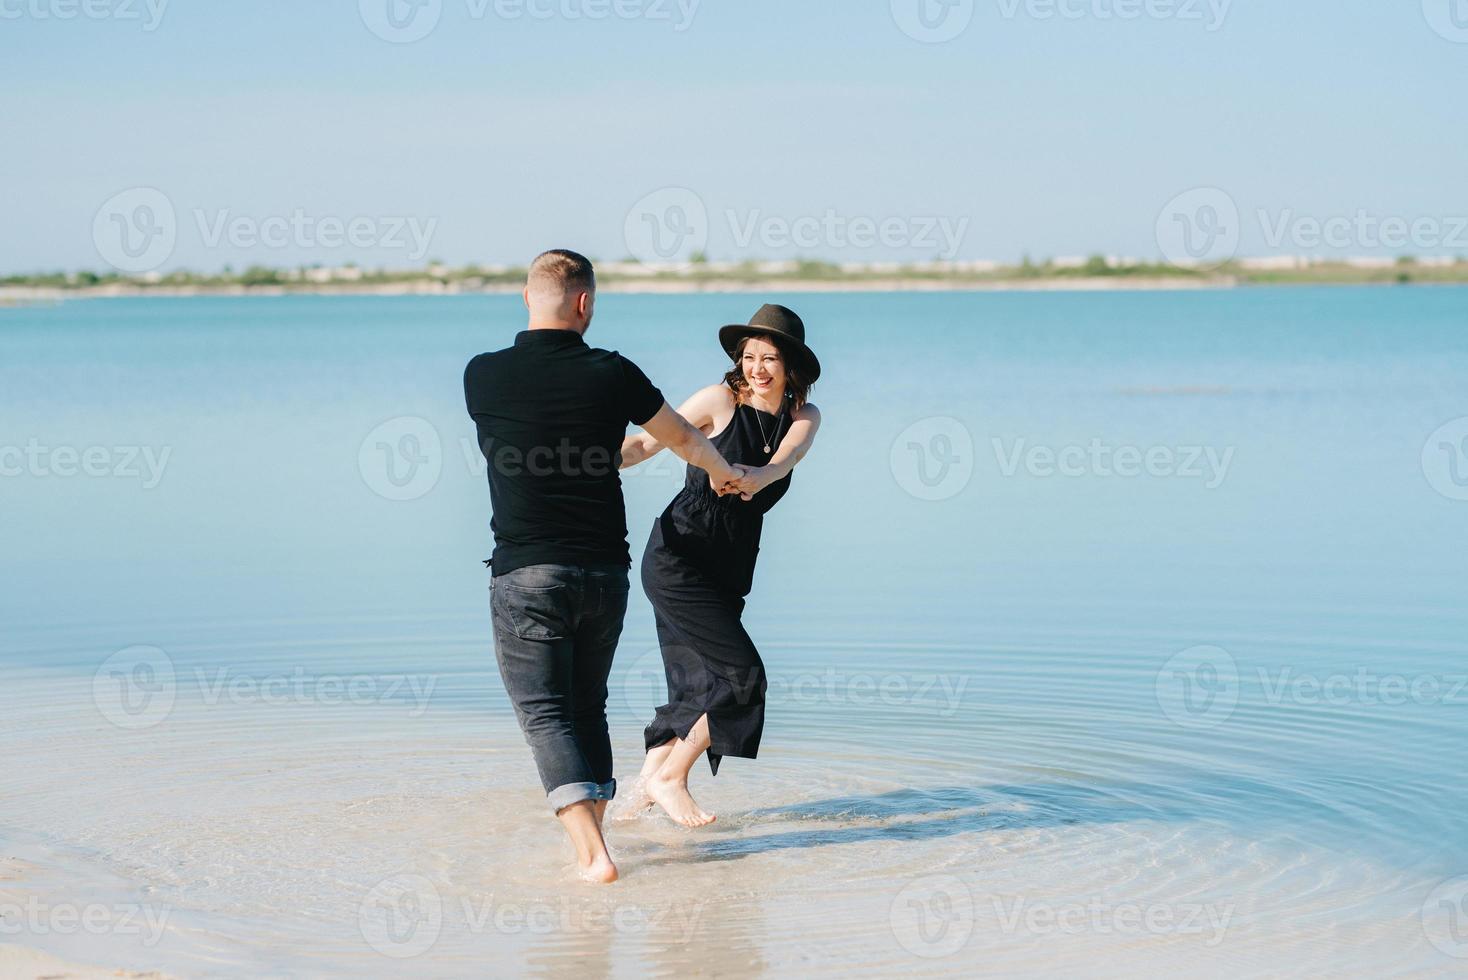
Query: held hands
745, 481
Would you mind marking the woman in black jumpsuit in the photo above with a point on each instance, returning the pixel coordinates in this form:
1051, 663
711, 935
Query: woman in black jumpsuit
700, 559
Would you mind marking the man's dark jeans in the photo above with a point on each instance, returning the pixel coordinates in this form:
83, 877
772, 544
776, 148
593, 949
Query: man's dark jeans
555, 630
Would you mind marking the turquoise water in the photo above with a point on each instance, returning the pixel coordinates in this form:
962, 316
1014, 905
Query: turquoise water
1015, 694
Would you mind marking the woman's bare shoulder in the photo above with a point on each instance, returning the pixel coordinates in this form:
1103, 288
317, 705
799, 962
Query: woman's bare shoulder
717, 395
807, 413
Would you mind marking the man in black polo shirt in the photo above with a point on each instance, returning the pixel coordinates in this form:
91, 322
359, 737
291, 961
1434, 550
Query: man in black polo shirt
551, 414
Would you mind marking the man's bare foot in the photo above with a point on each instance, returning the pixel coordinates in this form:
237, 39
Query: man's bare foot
600, 871
672, 795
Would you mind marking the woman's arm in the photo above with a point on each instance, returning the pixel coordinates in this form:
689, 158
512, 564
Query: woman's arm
797, 442
637, 448
700, 410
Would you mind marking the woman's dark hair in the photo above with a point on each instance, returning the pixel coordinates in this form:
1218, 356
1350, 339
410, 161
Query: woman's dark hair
797, 388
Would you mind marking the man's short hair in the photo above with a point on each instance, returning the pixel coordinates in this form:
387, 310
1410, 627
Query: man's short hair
561, 271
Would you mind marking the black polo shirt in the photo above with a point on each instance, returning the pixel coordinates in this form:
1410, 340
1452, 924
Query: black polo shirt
552, 413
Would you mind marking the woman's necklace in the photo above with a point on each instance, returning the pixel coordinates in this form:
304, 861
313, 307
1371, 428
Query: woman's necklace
779, 421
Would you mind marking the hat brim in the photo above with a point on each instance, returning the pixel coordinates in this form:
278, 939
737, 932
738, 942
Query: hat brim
730, 336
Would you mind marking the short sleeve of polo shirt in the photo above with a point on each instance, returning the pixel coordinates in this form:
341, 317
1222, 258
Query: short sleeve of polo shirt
641, 399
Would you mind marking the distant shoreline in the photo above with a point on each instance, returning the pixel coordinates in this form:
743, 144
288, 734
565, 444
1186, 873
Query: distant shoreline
20, 295
650, 287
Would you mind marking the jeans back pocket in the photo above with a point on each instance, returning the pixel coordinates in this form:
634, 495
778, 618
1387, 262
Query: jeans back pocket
535, 608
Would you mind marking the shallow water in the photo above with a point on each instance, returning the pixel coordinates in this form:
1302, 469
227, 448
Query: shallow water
1205, 718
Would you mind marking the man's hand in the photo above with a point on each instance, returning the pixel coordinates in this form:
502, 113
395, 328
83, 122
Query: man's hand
725, 477
751, 483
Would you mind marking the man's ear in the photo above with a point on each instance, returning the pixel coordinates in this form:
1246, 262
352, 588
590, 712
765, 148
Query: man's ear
525, 295
583, 304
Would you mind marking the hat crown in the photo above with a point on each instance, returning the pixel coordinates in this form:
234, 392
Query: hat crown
780, 319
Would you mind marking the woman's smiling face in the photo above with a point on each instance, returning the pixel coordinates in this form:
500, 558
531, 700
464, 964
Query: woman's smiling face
763, 367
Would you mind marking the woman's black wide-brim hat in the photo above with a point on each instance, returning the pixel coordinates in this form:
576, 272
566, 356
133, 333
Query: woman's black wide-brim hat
788, 330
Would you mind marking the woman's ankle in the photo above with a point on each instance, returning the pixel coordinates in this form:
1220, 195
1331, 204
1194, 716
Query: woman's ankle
669, 778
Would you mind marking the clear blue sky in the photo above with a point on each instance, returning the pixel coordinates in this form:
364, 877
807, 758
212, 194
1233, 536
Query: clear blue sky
1057, 136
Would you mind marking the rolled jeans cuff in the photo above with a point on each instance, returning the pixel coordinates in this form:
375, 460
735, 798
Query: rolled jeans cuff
563, 796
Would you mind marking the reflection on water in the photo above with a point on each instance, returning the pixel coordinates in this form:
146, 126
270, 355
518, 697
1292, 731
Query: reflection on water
1022, 723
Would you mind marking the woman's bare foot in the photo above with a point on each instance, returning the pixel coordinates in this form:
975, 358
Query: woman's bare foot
655, 758
632, 804
600, 871
672, 795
